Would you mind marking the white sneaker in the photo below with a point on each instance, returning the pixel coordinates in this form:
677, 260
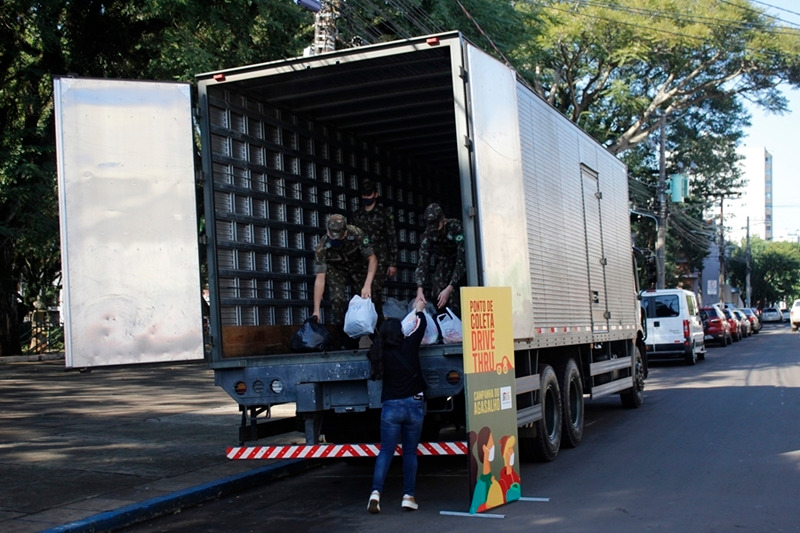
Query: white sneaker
374, 505
409, 503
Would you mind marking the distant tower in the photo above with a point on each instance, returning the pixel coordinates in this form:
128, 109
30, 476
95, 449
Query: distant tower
756, 198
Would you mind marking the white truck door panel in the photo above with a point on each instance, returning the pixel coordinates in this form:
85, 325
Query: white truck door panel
128, 221
499, 186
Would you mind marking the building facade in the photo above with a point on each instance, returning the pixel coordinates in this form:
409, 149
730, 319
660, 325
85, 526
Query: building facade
753, 209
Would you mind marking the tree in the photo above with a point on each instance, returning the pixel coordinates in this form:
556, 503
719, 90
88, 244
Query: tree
615, 67
155, 39
774, 272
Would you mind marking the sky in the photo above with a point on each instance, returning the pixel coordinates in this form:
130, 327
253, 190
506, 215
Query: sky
780, 135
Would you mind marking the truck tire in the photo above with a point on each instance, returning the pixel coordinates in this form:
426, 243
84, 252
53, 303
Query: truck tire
547, 441
572, 412
632, 398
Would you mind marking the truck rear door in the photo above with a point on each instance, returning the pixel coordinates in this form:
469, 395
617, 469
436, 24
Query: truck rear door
129, 232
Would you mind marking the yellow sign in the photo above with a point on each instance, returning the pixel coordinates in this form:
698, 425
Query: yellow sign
490, 396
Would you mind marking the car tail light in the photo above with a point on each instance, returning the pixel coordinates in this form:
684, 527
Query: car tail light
685, 329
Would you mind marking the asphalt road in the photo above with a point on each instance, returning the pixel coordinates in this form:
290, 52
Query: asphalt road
715, 447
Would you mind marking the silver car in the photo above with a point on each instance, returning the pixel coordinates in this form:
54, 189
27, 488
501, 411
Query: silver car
771, 314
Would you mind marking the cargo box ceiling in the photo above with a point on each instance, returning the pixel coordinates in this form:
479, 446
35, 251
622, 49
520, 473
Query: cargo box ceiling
400, 102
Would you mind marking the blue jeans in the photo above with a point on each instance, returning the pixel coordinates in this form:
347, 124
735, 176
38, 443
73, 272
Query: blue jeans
400, 419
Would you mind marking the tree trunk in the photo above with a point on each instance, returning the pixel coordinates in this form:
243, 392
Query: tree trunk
9, 324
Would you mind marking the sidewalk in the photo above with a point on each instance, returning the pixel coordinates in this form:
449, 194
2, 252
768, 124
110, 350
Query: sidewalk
99, 450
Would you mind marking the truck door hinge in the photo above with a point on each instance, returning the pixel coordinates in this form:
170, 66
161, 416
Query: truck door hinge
603, 261
598, 195
462, 73
607, 315
468, 142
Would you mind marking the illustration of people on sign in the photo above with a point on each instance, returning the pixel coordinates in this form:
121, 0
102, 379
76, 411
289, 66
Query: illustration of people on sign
490, 491
509, 478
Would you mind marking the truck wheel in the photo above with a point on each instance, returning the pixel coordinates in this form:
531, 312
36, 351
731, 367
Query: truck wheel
691, 357
633, 397
571, 405
548, 429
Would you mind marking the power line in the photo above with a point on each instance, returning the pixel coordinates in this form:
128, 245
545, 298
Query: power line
776, 7
679, 17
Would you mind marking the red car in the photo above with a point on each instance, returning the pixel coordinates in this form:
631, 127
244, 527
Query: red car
755, 322
716, 326
736, 325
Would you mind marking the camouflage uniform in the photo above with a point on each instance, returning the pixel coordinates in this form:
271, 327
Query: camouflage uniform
378, 224
446, 249
342, 265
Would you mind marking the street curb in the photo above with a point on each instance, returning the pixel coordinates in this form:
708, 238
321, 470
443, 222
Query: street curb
137, 512
31, 358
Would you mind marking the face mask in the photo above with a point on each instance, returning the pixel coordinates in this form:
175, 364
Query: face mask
336, 243
491, 454
366, 202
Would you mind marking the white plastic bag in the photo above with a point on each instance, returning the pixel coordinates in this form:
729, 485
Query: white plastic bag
432, 331
361, 317
450, 325
411, 322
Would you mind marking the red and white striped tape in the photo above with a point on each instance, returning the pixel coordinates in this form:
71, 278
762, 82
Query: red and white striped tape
335, 451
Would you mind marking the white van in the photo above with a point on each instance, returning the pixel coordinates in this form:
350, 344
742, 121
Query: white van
674, 326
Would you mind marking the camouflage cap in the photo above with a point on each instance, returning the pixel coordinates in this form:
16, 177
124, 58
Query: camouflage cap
433, 215
337, 226
367, 187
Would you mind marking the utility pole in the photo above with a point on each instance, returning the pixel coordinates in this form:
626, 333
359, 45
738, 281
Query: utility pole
721, 249
661, 233
325, 32
749, 289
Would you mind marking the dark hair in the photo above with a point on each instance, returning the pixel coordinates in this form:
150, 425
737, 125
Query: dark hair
390, 335
391, 332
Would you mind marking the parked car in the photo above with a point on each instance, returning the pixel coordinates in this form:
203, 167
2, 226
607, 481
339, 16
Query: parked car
715, 325
674, 327
771, 314
794, 315
755, 322
744, 322
736, 328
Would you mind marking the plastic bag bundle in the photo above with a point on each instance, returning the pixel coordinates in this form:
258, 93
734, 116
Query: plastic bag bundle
410, 323
361, 317
450, 325
311, 337
394, 308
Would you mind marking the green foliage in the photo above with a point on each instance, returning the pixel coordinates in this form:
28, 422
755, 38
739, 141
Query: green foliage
153, 39
615, 67
774, 271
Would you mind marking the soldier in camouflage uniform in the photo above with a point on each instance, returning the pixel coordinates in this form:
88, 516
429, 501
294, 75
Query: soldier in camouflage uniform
377, 222
442, 243
344, 255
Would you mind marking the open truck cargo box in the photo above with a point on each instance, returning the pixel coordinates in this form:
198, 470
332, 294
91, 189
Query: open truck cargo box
285, 144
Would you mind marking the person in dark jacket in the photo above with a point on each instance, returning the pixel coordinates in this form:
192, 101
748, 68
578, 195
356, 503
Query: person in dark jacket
403, 404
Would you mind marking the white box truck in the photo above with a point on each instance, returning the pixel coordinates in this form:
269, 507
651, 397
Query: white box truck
284, 144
